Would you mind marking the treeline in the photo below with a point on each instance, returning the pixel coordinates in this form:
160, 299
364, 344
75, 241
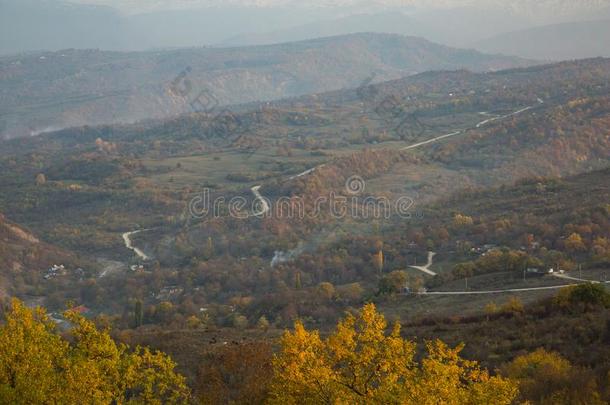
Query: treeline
523, 345
225, 265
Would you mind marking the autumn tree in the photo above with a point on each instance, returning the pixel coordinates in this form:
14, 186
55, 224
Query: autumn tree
326, 291
361, 363
462, 221
41, 179
583, 297
262, 323
601, 250
513, 306
547, 378
378, 261
491, 309
138, 313
351, 292
39, 366
574, 243
240, 321
209, 248
393, 283
235, 374
464, 270
192, 322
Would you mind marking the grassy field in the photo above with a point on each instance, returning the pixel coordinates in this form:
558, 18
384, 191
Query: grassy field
216, 169
332, 138
408, 308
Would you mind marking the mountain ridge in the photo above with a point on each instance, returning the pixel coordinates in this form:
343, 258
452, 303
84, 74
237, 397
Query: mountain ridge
98, 87
572, 40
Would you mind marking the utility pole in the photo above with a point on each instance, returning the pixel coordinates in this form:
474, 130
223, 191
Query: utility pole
466, 283
580, 271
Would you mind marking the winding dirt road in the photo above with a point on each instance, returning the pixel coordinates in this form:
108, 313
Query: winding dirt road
255, 189
263, 202
426, 268
265, 205
441, 137
129, 245
463, 131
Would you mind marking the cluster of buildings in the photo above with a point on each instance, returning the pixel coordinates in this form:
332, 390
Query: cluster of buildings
166, 293
482, 250
58, 270
55, 271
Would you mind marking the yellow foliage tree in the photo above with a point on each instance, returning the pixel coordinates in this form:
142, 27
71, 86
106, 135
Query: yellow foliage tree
41, 179
513, 306
574, 243
39, 366
378, 261
326, 291
360, 363
547, 378
460, 220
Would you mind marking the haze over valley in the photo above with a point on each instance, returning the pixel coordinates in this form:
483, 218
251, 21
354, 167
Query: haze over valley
43, 91
271, 201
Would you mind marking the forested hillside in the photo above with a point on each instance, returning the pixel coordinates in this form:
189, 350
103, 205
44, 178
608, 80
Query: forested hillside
304, 206
506, 127
467, 206
554, 42
47, 91
24, 259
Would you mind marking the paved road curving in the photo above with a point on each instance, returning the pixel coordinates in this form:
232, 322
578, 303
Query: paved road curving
513, 290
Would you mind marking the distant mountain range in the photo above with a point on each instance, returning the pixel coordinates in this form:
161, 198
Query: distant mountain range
455, 27
46, 91
34, 25
504, 32
50, 25
536, 10
554, 42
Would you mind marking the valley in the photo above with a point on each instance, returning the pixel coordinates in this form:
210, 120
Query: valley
443, 197
301, 148
326, 202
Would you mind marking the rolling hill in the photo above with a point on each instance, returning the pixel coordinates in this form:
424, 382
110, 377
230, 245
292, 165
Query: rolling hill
24, 258
574, 40
458, 27
52, 25
425, 137
45, 91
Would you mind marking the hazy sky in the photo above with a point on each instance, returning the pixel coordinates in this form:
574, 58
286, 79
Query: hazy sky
152, 24
526, 7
